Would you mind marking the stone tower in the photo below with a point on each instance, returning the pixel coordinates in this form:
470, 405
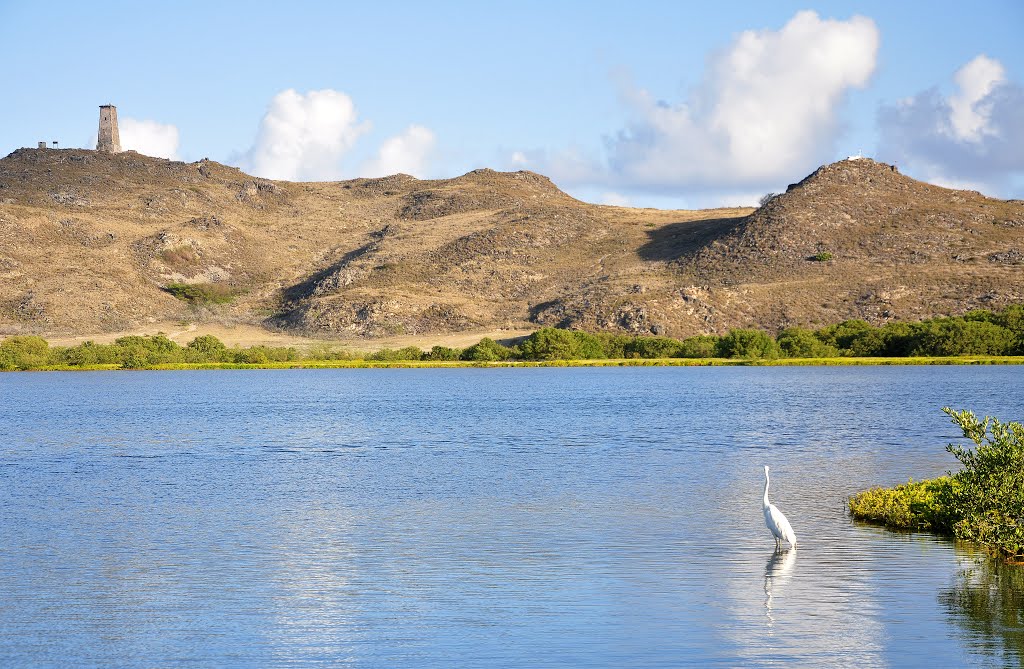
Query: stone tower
108, 138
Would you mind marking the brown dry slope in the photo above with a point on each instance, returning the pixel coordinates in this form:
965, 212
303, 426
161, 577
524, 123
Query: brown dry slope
901, 249
89, 241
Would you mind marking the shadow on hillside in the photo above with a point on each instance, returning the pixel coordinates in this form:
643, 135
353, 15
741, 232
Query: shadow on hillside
307, 287
551, 307
675, 240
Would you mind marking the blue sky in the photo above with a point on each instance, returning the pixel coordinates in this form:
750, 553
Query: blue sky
652, 104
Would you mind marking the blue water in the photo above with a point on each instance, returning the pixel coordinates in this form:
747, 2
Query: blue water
484, 518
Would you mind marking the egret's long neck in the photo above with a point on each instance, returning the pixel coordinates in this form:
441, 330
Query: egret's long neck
766, 489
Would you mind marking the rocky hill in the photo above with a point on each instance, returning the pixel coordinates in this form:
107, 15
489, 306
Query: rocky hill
93, 243
896, 248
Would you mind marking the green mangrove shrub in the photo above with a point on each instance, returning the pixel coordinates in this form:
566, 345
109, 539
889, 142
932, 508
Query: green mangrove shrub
262, 355
843, 335
442, 353
802, 343
207, 348
983, 502
408, 353
652, 347
24, 352
557, 344
487, 350
978, 332
987, 494
698, 346
752, 344
956, 336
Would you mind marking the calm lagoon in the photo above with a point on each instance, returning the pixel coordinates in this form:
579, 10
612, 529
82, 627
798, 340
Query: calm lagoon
594, 517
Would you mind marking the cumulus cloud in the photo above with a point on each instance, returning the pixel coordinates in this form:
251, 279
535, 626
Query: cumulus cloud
972, 138
571, 165
303, 137
148, 137
407, 153
615, 199
969, 114
767, 109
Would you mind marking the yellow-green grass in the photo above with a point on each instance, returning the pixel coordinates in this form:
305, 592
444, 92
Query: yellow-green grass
600, 362
914, 505
907, 360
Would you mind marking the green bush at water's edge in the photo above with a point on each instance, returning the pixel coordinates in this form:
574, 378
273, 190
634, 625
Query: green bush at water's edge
983, 502
487, 350
133, 352
802, 343
389, 355
978, 332
987, 495
754, 344
442, 353
912, 505
24, 352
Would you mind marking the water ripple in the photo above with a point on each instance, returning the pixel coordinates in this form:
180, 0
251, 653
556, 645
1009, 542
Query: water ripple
478, 518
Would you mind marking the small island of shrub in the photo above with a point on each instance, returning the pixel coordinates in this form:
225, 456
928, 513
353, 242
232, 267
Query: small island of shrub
983, 502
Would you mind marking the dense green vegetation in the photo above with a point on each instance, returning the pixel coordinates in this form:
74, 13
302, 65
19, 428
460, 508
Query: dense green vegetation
986, 498
134, 352
983, 502
912, 505
979, 333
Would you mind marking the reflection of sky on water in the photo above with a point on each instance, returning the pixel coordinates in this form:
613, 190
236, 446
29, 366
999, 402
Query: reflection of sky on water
314, 610
482, 518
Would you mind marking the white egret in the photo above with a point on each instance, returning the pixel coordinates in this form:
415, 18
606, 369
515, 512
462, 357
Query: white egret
776, 520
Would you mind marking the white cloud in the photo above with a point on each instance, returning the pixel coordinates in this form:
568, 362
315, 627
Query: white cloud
406, 153
305, 137
571, 165
940, 179
969, 115
767, 109
615, 199
973, 138
148, 137
729, 199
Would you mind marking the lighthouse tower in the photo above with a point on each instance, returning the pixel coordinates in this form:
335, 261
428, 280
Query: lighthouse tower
108, 138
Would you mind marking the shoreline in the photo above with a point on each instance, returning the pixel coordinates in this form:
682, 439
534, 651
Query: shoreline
599, 362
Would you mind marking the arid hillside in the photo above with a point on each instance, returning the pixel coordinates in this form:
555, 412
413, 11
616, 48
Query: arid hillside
93, 243
899, 249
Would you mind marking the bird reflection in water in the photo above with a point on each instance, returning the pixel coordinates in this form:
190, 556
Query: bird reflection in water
778, 570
